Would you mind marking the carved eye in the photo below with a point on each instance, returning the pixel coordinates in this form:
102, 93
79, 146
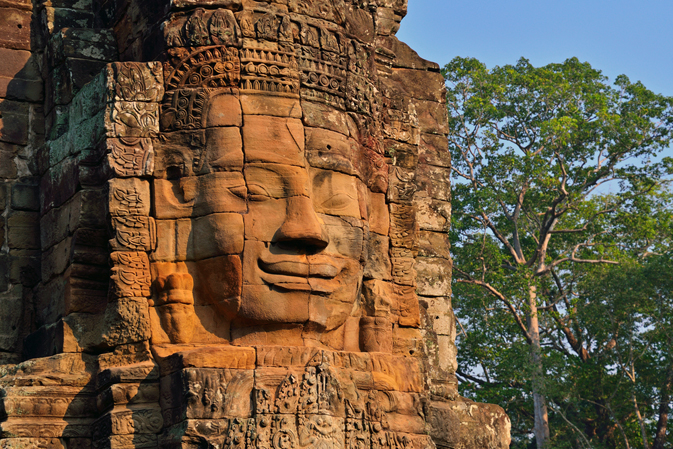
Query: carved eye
338, 201
257, 192
239, 191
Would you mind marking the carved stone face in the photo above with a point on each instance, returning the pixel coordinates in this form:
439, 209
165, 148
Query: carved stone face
262, 226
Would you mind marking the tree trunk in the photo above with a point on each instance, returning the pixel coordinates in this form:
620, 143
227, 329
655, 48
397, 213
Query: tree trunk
660, 438
641, 421
540, 404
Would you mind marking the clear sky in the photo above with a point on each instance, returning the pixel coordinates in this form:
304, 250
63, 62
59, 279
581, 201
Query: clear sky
633, 37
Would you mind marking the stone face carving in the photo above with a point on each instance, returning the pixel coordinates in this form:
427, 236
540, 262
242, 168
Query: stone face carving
244, 241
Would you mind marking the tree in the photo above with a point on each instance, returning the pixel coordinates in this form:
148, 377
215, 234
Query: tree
532, 150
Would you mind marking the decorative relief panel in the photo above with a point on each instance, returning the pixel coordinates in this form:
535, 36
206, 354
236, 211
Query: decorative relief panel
210, 67
130, 156
130, 274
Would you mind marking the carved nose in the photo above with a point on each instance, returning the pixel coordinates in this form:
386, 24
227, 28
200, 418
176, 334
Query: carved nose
301, 228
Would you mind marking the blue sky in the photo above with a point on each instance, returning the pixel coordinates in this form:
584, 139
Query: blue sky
615, 36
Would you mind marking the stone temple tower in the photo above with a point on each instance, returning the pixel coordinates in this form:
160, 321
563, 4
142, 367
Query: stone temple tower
225, 226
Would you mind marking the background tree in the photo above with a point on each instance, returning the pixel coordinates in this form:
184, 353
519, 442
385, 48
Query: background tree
534, 150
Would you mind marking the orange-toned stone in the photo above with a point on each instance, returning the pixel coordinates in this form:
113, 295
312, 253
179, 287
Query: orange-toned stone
224, 149
172, 358
335, 193
129, 196
376, 334
223, 110
330, 150
273, 139
276, 181
379, 218
196, 196
319, 115
271, 106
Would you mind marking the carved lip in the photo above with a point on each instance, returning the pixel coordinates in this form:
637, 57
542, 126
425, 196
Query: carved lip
293, 273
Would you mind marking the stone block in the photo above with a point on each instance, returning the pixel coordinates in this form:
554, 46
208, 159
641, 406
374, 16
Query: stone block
379, 217
15, 28
376, 334
225, 110
434, 276
14, 122
89, 133
93, 176
54, 19
433, 244
48, 302
87, 43
408, 342
234, 5
18, 4
4, 187
23, 230
133, 233
4, 267
56, 259
90, 100
25, 197
11, 313
128, 196
20, 89
432, 116
436, 181
319, 115
433, 150
230, 390
130, 158
20, 77
406, 57
24, 267
54, 225
132, 119
403, 226
444, 425
407, 305
120, 422
130, 274
141, 81
402, 154
70, 76
440, 315
401, 186
83, 295
387, 23
124, 321
273, 139
378, 264
416, 84
8, 154
59, 184
71, 4
432, 215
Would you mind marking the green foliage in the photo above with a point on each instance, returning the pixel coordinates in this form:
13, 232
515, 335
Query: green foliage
560, 184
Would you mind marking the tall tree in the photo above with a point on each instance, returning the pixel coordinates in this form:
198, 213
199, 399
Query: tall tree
531, 148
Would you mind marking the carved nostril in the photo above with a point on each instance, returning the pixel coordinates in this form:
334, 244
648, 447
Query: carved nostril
301, 228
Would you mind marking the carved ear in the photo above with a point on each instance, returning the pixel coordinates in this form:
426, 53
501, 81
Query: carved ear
189, 188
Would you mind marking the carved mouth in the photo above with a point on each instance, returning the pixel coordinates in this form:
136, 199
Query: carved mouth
293, 274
